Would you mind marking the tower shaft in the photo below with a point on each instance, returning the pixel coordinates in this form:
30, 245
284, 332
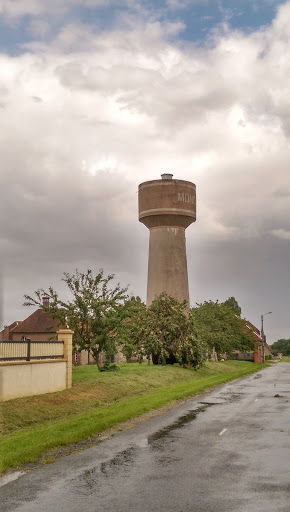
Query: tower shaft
167, 266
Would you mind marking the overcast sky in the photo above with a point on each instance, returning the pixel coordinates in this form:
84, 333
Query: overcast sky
97, 96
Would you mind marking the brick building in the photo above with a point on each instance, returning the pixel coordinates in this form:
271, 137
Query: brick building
39, 326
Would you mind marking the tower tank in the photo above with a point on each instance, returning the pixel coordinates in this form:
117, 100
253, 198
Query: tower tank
167, 207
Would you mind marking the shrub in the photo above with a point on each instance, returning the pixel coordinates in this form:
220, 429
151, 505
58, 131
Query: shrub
109, 367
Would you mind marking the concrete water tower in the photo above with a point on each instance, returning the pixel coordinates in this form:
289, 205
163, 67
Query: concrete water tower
167, 207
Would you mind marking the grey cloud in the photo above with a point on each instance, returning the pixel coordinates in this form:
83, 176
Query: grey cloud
37, 99
78, 75
284, 234
250, 270
171, 102
4, 91
282, 192
86, 222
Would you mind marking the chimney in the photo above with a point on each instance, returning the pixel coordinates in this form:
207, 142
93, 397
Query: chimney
45, 302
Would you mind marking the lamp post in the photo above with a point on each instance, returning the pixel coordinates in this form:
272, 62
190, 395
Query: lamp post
263, 334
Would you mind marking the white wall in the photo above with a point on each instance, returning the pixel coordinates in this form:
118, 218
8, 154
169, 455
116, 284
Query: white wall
20, 379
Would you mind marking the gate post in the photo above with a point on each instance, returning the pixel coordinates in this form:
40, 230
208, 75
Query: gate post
66, 335
256, 355
28, 349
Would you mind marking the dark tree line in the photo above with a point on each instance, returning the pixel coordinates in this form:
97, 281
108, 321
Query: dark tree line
281, 346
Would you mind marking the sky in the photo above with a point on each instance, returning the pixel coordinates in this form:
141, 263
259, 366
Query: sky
97, 96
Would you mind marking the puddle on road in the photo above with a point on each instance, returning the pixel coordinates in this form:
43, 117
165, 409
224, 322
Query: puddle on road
123, 459
230, 397
89, 482
181, 422
272, 487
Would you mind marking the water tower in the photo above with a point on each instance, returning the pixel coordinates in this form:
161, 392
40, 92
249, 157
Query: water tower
167, 207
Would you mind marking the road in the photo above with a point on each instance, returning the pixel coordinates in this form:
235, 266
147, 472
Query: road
225, 451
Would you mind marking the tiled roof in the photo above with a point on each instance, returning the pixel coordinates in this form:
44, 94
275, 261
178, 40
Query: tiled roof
39, 321
14, 324
252, 326
255, 333
11, 326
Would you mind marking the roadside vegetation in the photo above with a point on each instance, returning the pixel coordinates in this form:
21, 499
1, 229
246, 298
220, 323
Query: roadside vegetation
105, 319
281, 346
285, 359
33, 426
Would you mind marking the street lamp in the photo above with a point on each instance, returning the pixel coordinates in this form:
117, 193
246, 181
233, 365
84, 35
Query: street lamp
263, 334
262, 325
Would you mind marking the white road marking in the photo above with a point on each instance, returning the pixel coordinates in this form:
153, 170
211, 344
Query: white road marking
223, 431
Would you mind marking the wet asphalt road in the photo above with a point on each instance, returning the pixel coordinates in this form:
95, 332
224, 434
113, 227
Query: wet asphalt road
225, 451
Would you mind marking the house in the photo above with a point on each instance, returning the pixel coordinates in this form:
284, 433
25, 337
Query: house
262, 349
39, 326
6, 335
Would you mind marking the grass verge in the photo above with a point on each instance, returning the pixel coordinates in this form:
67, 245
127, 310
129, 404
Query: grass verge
24, 444
285, 359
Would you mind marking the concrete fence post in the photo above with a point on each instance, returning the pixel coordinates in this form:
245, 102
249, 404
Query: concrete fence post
66, 335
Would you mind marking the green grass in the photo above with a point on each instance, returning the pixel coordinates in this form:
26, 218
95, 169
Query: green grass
97, 401
285, 359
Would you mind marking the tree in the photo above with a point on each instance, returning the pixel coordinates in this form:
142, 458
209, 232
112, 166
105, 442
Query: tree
131, 327
94, 312
218, 326
281, 346
165, 334
166, 328
233, 304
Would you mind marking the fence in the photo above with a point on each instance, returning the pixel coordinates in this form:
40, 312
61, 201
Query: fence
31, 350
35, 367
